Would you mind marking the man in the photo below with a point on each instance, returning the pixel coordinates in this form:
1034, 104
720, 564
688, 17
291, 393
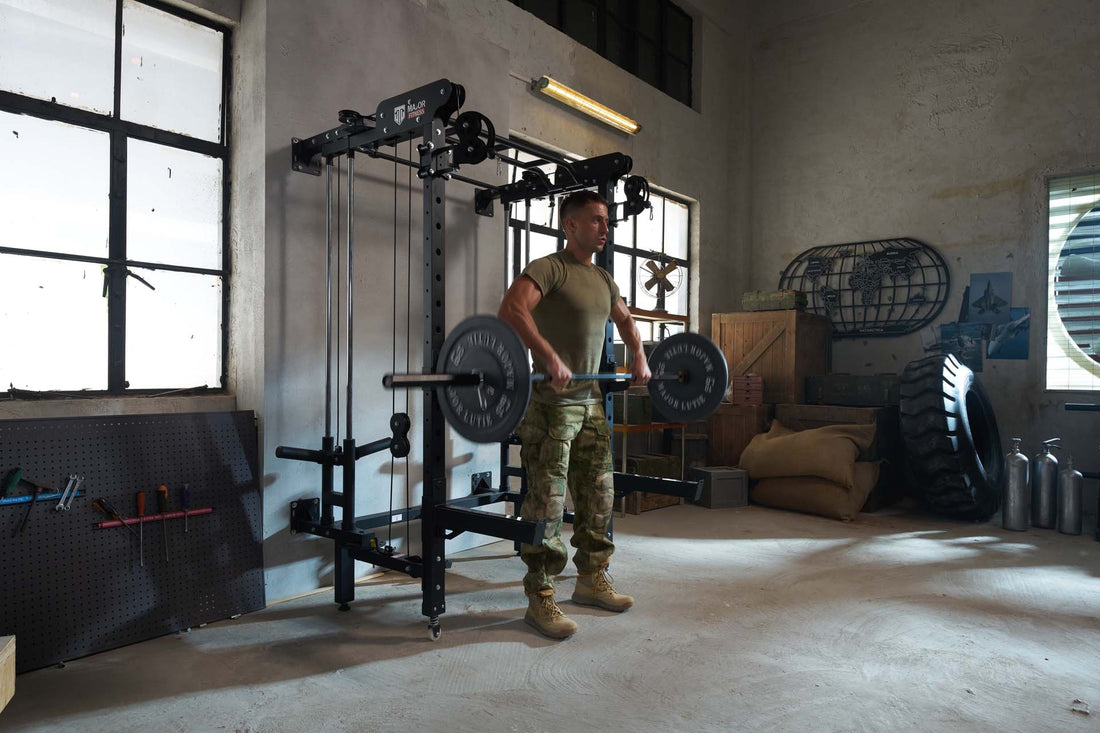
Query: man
560, 306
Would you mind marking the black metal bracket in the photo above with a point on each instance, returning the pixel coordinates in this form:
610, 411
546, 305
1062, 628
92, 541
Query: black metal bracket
628, 483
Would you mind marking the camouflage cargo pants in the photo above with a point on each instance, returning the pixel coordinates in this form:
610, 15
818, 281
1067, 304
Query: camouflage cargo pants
566, 447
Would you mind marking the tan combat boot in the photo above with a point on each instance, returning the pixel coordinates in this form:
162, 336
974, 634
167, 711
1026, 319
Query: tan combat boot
596, 590
543, 614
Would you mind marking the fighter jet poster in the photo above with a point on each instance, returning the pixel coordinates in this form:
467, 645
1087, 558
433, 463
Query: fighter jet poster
990, 295
1010, 340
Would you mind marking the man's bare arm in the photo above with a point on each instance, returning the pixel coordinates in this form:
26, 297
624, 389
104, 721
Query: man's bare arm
515, 310
628, 332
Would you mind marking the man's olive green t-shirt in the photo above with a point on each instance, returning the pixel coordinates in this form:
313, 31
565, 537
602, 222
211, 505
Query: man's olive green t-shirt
576, 302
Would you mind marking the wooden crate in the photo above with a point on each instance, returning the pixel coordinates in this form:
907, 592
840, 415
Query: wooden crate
731, 427
783, 347
886, 446
7, 670
773, 300
651, 464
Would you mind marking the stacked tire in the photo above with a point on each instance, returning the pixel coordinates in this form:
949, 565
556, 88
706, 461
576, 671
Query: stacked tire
954, 461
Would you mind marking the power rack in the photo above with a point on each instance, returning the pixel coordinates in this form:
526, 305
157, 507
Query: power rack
448, 140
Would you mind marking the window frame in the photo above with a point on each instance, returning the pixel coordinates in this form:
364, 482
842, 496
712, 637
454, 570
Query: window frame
1054, 340
117, 264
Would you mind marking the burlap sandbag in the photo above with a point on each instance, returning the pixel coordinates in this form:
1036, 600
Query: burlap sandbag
819, 496
829, 452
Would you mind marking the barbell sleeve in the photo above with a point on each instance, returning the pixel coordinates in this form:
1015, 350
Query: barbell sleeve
412, 381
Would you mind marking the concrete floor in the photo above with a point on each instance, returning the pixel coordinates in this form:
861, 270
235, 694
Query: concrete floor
746, 619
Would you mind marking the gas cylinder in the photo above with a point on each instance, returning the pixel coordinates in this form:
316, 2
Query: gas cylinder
1014, 512
1044, 486
1069, 498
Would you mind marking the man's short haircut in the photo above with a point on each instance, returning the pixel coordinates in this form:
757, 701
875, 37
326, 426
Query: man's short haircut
576, 201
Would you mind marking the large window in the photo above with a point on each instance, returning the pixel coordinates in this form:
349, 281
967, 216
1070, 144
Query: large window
651, 39
1073, 299
651, 254
113, 264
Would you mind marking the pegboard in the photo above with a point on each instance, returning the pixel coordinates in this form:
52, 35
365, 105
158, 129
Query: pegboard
70, 589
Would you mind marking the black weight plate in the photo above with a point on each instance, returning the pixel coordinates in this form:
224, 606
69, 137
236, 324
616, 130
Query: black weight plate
491, 411
705, 377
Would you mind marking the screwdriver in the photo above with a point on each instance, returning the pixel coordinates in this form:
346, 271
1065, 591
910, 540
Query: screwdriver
141, 525
11, 480
102, 505
162, 509
27, 514
186, 504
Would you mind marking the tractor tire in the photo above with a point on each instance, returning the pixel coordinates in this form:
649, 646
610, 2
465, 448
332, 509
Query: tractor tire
953, 456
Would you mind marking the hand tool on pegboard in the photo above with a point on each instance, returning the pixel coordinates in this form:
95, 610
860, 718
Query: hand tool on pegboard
162, 509
141, 526
185, 498
76, 490
65, 494
102, 505
11, 480
39, 487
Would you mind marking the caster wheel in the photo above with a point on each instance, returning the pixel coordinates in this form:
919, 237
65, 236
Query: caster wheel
345, 607
434, 631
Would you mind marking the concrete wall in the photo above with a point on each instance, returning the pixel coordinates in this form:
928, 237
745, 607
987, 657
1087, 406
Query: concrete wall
325, 56
938, 120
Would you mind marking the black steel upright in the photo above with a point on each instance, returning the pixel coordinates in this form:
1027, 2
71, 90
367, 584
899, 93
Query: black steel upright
435, 468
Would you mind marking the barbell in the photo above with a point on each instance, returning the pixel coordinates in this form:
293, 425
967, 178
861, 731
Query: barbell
484, 380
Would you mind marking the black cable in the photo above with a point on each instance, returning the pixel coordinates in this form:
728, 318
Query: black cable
393, 350
339, 264
408, 336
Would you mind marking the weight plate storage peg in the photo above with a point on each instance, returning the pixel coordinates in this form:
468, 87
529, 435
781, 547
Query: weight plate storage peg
488, 412
703, 377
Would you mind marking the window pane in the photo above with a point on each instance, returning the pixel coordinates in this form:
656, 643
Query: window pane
651, 229
624, 232
173, 206
648, 14
649, 62
678, 33
543, 212
677, 301
646, 290
171, 72
677, 80
676, 229
545, 9
618, 44
623, 264
53, 324
54, 186
59, 49
580, 22
173, 333
542, 245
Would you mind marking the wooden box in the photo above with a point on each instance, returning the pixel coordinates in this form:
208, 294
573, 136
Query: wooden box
7, 670
731, 427
853, 390
773, 300
651, 464
886, 446
783, 347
